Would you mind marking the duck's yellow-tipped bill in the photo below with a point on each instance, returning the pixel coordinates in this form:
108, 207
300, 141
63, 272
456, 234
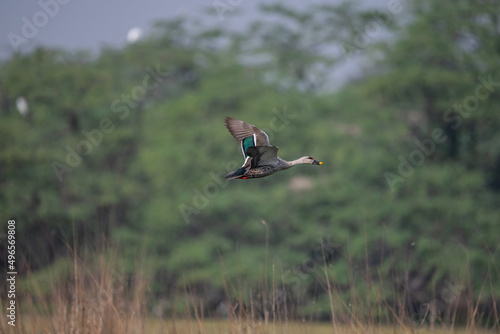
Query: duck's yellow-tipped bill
316, 162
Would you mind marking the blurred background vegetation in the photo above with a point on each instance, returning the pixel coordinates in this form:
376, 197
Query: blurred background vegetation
125, 152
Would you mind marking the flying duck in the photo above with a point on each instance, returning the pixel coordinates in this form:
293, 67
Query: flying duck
261, 158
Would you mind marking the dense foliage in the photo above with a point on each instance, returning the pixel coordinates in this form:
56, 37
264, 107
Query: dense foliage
128, 150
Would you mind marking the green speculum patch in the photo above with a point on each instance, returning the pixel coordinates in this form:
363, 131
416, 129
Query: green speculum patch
247, 142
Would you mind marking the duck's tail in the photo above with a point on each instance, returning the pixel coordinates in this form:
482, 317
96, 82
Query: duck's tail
237, 174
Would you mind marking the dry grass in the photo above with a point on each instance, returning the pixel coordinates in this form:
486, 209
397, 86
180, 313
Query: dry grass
95, 297
44, 325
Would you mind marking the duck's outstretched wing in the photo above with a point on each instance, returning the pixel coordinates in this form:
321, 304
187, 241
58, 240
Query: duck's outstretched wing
247, 134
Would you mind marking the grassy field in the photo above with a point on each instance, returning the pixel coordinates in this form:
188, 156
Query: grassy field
81, 296
44, 325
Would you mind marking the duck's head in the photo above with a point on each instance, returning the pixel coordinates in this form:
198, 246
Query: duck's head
310, 160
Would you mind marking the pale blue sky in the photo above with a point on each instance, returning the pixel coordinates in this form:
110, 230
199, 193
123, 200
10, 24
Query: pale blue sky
90, 24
